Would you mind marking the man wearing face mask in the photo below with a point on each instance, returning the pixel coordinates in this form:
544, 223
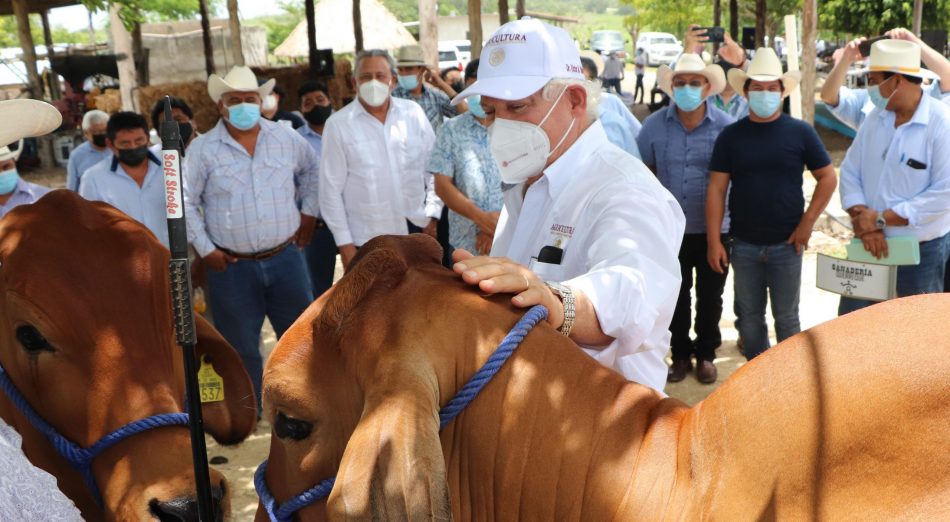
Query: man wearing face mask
14, 191
676, 143
92, 151
372, 173
895, 179
321, 252
412, 77
586, 228
763, 156
621, 126
133, 181
181, 113
242, 182
270, 108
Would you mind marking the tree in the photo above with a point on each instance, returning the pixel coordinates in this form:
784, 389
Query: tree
873, 17
132, 12
669, 15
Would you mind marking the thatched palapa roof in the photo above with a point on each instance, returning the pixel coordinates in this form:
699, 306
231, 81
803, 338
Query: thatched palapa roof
334, 21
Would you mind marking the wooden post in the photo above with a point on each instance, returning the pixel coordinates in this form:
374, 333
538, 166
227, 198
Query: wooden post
734, 20
791, 44
809, 58
138, 54
55, 92
502, 12
760, 24
475, 27
237, 49
28, 47
519, 9
92, 31
429, 32
311, 36
357, 25
206, 37
918, 15
717, 21
122, 41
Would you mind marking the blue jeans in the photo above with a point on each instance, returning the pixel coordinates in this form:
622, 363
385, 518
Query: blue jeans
925, 278
760, 271
278, 287
321, 260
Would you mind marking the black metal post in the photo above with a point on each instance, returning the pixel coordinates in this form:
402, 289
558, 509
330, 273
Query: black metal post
180, 276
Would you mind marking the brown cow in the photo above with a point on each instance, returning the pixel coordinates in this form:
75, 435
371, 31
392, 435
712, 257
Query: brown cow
849, 420
86, 335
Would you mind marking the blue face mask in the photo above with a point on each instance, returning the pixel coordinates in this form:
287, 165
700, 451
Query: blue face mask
764, 103
687, 97
244, 116
475, 105
8, 181
408, 82
879, 101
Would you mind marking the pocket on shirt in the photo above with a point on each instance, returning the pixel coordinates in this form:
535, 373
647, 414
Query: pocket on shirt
227, 178
910, 181
280, 177
547, 271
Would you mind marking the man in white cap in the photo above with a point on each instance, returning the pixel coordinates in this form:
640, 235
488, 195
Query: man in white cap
586, 229
412, 75
895, 179
241, 182
676, 143
92, 151
763, 157
372, 175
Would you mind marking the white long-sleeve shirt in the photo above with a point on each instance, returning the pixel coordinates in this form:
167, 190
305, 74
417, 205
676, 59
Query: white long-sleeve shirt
372, 174
620, 232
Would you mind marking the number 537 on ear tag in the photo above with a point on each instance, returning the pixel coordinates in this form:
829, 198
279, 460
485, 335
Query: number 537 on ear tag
210, 384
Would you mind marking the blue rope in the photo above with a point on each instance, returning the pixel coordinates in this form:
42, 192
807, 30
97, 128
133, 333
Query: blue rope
78, 457
284, 512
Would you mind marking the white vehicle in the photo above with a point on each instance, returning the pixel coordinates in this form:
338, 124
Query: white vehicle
464, 47
450, 56
659, 48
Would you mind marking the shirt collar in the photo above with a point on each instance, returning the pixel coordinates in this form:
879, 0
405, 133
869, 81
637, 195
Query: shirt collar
307, 131
560, 172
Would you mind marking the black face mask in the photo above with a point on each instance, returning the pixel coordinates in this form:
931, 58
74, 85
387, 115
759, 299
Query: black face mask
133, 157
99, 140
186, 131
458, 86
318, 115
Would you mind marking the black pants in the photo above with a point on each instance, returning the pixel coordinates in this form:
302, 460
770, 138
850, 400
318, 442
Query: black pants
612, 83
638, 91
709, 288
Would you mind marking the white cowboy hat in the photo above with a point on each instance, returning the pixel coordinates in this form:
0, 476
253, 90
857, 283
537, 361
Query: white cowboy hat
764, 67
898, 56
690, 63
239, 79
25, 119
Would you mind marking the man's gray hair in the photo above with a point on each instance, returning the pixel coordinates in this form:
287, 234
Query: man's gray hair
94, 117
370, 53
554, 88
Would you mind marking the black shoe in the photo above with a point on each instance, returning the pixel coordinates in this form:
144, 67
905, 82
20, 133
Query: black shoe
678, 370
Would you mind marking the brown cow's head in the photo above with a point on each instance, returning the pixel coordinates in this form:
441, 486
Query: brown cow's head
353, 388
86, 335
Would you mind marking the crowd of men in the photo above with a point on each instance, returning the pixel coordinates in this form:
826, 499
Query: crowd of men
530, 176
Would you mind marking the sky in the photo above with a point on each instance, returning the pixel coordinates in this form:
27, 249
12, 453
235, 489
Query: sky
76, 17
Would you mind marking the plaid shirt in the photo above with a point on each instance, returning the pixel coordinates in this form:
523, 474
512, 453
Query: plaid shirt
435, 103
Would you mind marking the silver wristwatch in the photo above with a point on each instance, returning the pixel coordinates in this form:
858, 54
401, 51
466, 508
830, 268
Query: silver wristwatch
567, 299
880, 222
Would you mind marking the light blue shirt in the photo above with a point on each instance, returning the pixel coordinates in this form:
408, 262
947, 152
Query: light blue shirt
248, 203
24, 194
462, 153
315, 140
621, 126
81, 159
110, 183
876, 172
681, 159
737, 107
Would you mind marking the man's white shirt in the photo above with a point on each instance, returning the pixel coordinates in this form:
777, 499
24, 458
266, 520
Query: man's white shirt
620, 232
372, 174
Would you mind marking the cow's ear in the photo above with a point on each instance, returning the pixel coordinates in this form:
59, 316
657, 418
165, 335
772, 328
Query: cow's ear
232, 420
393, 467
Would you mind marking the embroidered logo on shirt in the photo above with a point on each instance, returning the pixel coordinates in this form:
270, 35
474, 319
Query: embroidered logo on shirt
560, 234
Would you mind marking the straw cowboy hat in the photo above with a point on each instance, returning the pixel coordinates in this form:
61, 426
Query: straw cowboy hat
765, 67
410, 56
239, 79
898, 56
690, 63
25, 119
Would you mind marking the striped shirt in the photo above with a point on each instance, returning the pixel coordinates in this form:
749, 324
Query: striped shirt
435, 103
24, 194
247, 203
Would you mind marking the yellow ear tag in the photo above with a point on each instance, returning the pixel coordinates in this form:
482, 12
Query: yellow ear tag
210, 384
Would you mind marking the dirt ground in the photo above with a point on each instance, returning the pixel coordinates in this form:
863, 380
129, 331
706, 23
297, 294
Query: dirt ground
817, 306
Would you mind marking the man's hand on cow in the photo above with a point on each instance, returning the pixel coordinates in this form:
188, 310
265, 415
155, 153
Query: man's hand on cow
218, 260
305, 232
717, 257
875, 243
347, 252
499, 275
431, 228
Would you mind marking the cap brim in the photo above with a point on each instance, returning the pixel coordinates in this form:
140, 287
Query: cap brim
503, 88
27, 118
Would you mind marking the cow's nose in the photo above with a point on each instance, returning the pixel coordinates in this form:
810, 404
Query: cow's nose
185, 509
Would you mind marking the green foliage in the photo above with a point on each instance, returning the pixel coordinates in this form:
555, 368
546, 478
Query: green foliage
672, 16
132, 12
873, 17
280, 26
8, 31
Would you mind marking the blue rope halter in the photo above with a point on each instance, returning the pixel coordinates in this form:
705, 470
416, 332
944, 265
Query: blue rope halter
78, 457
284, 512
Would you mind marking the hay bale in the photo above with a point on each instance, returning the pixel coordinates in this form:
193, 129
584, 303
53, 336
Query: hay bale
195, 95
109, 101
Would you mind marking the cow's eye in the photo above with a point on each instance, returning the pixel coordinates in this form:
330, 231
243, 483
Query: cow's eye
290, 428
32, 340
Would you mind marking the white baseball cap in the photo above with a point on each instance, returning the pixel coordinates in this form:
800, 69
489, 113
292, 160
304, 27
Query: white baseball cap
521, 57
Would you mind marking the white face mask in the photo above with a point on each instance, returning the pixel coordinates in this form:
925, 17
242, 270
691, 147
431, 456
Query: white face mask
269, 103
520, 148
374, 93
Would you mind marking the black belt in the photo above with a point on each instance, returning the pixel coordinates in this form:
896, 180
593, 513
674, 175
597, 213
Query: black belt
258, 256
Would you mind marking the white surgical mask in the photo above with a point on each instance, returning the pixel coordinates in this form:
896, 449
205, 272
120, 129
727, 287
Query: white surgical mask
269, 103
522, 149
374, 93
